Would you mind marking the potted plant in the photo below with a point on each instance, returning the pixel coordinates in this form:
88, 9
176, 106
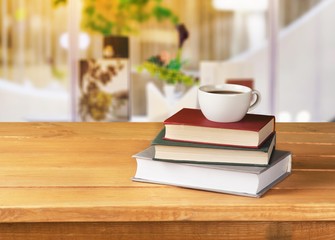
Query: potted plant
168, 68
112, 19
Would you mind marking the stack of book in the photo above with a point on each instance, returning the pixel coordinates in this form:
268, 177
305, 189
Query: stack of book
193, 152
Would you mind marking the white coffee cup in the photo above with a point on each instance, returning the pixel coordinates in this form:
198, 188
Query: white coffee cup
227, 102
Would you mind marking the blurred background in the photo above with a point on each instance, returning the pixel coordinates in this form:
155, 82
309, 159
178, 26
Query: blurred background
286, 48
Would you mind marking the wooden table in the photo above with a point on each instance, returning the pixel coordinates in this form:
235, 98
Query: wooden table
73, 181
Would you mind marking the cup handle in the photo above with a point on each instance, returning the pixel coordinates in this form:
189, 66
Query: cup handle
256, 100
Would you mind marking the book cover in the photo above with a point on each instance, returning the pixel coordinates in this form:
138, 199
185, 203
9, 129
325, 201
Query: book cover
194, 117
237, 180
191, 125
178, 151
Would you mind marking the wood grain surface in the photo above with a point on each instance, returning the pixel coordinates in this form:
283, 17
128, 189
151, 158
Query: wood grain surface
71, 179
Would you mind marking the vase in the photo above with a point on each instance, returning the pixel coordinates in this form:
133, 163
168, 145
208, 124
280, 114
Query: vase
172, 92
159, 105
103, 90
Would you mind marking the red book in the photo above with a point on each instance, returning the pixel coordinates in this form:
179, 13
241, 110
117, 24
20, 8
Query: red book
192, 126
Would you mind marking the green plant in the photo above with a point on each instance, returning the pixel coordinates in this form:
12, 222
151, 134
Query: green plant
167, 68
121, 17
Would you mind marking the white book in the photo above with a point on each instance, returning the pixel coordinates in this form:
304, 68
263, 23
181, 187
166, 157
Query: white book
240, 180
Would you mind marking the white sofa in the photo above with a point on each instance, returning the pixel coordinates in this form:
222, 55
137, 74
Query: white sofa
24, 102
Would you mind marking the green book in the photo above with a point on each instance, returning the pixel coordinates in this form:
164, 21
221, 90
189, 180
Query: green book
190, 152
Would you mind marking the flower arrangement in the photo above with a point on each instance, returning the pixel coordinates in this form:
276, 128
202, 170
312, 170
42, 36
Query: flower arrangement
168, 68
